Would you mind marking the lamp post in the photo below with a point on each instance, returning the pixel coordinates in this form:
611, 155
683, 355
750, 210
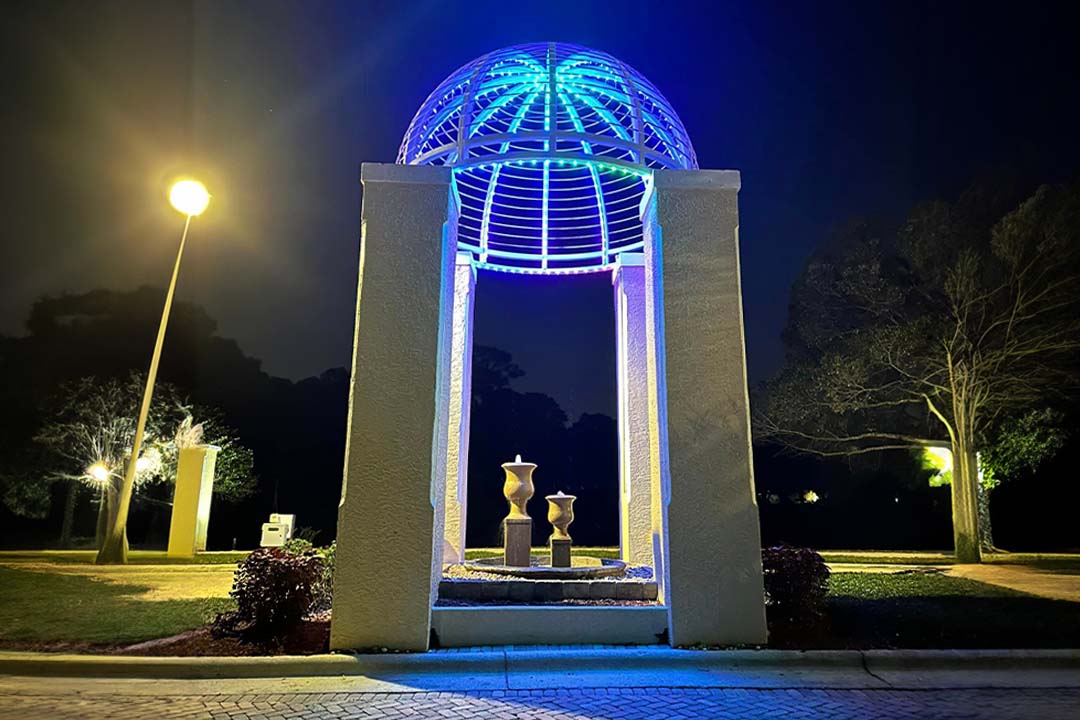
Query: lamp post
99, 473
190, 198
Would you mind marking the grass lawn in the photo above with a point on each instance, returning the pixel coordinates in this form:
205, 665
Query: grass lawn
932, 610
1050, 561
135, 557
55, 597
40, 603
886, 557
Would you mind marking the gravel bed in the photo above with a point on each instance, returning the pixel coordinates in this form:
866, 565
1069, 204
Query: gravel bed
634, 573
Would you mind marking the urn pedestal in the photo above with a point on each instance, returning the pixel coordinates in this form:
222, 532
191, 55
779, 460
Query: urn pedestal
560, 515
517, 525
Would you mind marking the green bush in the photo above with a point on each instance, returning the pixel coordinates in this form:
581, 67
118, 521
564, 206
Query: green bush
796, 582
297, 546
329, 559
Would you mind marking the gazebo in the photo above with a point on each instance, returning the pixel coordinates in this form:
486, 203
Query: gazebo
552, 159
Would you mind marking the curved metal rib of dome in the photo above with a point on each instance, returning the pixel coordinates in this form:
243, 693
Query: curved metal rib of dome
552, 147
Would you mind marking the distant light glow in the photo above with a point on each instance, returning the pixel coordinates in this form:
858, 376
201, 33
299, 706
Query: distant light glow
553, 147
810, 496
939, 460
189, 197
149, 464
98, 471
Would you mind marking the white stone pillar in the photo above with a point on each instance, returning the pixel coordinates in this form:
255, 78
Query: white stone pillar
713, 589
191, 500
458, 406
389, 534
637, 523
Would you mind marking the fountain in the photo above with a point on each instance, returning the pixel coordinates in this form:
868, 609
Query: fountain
517, 559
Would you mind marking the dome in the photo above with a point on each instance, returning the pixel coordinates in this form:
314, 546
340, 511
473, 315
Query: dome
552, 146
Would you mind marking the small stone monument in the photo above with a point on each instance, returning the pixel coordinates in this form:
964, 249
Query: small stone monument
560, 515
517, 525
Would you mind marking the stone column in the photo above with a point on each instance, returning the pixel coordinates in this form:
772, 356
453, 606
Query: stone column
713, 590
388, 551
637, 523
458, 406
191, 500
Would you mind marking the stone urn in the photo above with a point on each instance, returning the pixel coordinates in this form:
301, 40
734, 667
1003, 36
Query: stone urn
560, 514
518, 487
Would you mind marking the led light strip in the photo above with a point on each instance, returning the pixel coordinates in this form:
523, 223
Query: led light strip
553, 147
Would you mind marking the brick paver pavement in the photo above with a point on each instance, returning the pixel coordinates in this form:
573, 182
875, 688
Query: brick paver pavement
605, 704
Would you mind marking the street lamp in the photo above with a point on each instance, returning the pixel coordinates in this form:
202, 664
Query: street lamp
190, 198
98, 471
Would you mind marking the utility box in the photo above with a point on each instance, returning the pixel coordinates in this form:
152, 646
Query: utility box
278, 530
289, 521
273, 535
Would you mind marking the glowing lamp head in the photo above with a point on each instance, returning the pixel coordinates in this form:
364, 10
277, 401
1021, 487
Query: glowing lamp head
98, 471
189, 197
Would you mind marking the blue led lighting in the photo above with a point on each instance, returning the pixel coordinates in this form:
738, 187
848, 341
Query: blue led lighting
553, 146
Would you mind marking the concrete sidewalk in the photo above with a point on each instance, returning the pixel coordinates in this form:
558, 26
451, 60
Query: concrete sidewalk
1053, 584
594, 682
547, 667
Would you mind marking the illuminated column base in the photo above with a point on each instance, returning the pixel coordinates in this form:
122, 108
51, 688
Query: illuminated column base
714, 590
640, 527
458, 405
390, 539
191, 500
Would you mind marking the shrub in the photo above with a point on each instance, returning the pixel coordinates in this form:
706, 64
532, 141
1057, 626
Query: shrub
297, 546
329, 558
273, 589
796, 582
306, 533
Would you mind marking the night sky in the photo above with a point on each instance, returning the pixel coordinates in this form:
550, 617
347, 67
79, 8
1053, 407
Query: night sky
829, 110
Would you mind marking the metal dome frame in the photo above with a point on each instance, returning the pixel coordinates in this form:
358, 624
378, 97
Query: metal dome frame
553, 146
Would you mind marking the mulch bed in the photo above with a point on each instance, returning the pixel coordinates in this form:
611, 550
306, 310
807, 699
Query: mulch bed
311, 637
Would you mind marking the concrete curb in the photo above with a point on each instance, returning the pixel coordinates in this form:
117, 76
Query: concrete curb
549, 660
971, 659
195, 668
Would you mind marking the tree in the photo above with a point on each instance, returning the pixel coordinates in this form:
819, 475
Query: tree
1019, 444
941, 332
88, 434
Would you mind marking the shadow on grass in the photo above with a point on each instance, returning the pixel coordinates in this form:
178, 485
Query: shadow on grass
49, 607
919, 610
955, 622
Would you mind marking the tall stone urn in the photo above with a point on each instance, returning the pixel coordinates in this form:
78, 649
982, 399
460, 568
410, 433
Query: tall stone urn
517, 525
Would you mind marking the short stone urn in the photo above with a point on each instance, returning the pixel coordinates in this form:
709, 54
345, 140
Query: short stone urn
517, 525
560, 515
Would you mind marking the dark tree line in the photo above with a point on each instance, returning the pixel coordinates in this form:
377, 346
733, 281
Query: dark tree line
579, 458
295, 431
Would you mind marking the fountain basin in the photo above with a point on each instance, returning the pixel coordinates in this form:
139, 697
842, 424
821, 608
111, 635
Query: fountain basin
582, 567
